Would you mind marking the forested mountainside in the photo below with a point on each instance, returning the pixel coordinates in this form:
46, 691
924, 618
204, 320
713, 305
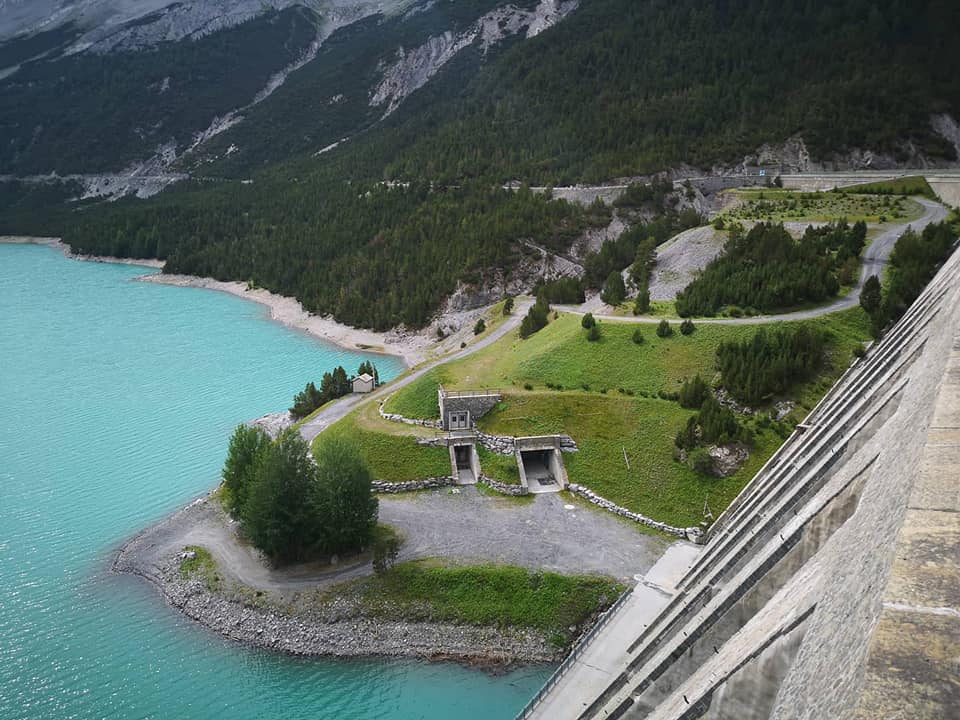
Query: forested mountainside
92, 112
378, 229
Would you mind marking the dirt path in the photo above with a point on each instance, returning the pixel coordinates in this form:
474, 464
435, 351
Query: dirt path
340, 408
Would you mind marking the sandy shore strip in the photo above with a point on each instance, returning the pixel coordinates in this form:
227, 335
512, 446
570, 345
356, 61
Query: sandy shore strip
292, 621
58, 244
411, 347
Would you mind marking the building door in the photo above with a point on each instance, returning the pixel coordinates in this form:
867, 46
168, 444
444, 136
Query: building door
459, 420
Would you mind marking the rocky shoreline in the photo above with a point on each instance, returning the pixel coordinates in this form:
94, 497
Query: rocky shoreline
291, 621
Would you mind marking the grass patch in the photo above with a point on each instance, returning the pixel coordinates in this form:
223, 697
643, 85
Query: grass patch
560, 354
202, 567
910, 185
790, 206
499, 467
419, 398
498, 595
392, 458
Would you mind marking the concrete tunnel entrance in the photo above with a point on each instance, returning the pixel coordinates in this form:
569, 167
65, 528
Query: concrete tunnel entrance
542, 470
466, 464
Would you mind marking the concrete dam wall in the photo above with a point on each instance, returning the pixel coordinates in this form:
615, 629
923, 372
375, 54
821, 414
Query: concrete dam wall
830, 588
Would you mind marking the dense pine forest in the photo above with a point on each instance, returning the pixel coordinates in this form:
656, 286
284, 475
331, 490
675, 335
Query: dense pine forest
618, 88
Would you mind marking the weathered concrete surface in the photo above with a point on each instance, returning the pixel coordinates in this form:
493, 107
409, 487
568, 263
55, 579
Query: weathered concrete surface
590, 672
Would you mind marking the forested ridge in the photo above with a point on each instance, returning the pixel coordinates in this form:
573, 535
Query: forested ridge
88, 112
619, 87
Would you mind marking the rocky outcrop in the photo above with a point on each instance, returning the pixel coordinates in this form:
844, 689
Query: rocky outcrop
273, 423
591, 497
413, 68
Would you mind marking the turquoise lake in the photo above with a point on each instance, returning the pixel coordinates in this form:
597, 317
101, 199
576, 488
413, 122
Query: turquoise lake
117, 401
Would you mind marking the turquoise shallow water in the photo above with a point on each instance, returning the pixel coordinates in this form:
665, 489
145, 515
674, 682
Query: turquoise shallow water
117, 399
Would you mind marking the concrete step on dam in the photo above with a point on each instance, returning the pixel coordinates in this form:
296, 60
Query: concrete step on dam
830, 588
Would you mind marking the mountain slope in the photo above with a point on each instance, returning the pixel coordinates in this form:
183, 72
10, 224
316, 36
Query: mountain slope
618, 88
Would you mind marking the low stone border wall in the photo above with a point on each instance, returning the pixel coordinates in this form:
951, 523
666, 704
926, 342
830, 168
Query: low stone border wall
501, 487
592, 497
394, 417
392, 488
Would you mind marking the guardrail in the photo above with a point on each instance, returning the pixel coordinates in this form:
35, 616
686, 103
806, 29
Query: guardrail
469, 393
577, 651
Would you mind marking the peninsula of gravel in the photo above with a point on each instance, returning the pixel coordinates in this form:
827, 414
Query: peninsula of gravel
201, 565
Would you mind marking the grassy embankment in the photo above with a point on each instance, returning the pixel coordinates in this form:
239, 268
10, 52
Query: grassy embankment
486, 595
774, 205
910, 185
608, 402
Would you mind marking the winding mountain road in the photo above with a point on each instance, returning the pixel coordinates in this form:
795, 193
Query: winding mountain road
873, 260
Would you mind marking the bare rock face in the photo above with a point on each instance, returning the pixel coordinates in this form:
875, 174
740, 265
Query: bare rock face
273, 423
413, 68
727, 459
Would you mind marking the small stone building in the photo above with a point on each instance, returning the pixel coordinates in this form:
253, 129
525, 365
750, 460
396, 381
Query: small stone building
363, 383
459, 410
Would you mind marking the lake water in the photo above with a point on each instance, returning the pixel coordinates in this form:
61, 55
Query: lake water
117, 400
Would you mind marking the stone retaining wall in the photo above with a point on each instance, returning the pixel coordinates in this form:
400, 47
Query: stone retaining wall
394, 417
499, 444
412, 485
690, 533
506, 445
504, 488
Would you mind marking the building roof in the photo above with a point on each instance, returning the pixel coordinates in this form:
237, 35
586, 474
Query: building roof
365, 377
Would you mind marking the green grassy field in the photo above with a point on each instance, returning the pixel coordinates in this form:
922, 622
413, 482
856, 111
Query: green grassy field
789, 206
605, 429
605, 425
560, 354
499, 467
499, 595
392, 458
911, 185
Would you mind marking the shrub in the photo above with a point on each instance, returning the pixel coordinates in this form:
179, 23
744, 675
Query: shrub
637, 337
701, 461
614, 291
593, 334
386, 549
642, 302
588, 321
508, 305
479, 327
527, 386
664, 329
687, 327
535, 319
694, 393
